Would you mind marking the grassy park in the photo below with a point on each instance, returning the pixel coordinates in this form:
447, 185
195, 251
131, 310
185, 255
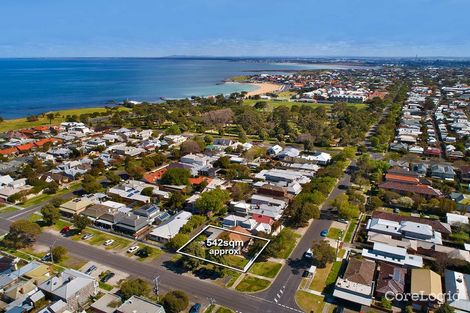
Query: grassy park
22, 122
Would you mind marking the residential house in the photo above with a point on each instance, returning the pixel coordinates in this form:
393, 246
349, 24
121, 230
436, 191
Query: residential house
455, 219
71, 286
357, 283
137, 304
465, 173
391, 254
105, 304
458, 285
164, 232
75, 206
132, 224
149, 211
462, 200
390, 280
427, 286
275, 150
442, 171
131, 190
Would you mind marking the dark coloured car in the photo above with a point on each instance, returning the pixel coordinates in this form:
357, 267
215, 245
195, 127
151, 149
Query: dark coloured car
305, 274
195, 308
343, 187
90, 270
107, 277
324, 233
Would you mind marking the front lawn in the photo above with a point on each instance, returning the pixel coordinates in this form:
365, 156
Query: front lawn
266, 269
46, 197
309, 302
252, 284
332, 276
321, 274
349, 233
334, 233
235, 261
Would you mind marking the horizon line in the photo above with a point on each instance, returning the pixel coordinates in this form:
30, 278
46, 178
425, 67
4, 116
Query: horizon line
240, 57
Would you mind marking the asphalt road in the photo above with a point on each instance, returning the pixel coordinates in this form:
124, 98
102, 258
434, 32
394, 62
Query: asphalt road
282, 290
280, 297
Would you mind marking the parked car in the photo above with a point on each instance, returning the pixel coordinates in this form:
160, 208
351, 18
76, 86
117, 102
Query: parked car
87, 236
108, 242
305, 274
195, 308
65, 230
132, 249
308, 254
342, 220
107, 277
46, 258
324, 233
91, 269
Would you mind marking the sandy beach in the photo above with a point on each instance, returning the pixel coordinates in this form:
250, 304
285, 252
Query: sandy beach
263, 88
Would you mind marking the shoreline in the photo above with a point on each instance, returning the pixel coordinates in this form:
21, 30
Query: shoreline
260, 88
264, 88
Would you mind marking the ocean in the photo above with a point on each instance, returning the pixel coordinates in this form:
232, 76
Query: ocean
33, 86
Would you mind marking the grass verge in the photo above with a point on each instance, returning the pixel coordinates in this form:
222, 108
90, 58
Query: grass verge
252, 284
266, 269
309, 302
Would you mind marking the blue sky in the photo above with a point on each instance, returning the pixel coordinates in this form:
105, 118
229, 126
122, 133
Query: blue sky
64, 28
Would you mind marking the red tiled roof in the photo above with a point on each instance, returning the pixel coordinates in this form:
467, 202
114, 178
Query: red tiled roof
41, 128
419, 188
200, 179
263, 219
152, 177
8, 151
25, 147
42, 142
401, 178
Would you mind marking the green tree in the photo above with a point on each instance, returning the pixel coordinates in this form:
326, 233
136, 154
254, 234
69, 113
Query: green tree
190, 146
240, 191
176, 176
90, 184
323, 253
147, 191
175, 301
175, 202
59, 253
213, 201
113, 178
50, 117
177, 241
385, 303
134, 287
81, 222
22, 234
50, 214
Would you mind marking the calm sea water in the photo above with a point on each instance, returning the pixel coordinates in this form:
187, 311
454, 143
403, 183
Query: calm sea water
32, 86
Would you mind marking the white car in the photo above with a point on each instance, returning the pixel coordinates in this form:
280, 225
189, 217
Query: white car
132, 249
108, 242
